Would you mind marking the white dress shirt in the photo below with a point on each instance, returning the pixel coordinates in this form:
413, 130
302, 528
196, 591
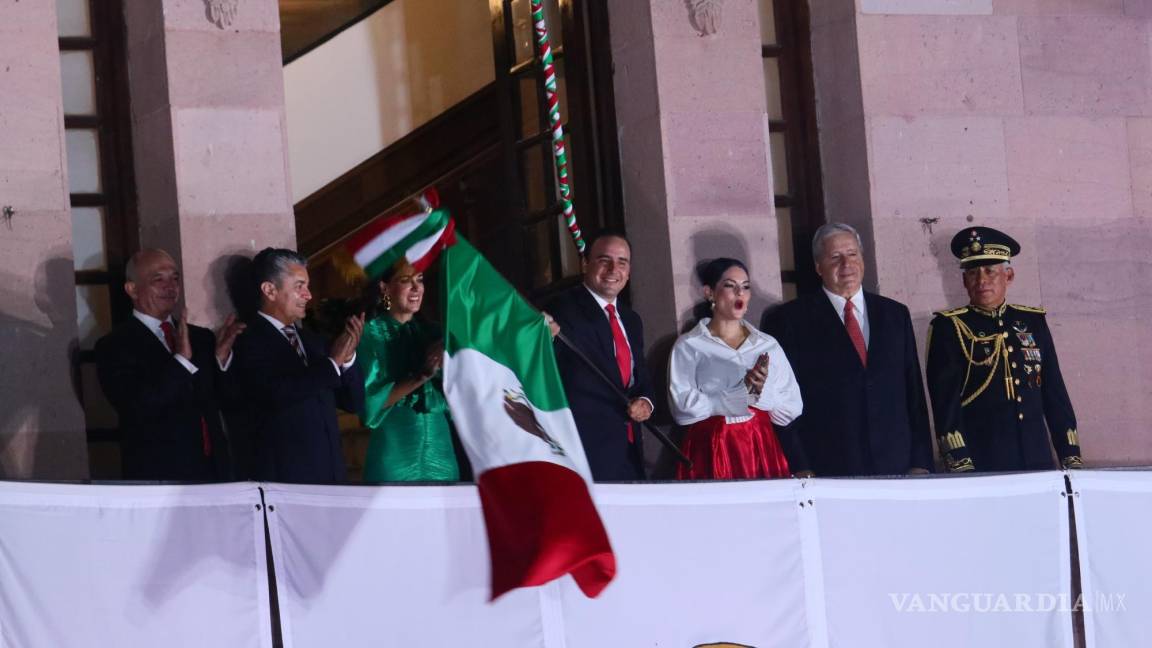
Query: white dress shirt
706, 378
603, 303
861, 312
153, 325
340, 368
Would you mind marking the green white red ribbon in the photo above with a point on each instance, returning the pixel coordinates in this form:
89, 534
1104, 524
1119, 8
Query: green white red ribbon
559, 154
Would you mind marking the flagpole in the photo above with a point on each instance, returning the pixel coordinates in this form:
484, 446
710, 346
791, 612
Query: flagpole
657, 432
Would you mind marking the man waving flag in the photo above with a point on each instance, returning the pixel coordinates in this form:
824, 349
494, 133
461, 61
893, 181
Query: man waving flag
509, 408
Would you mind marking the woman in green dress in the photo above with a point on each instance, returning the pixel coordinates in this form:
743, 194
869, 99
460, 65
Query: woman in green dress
404, 403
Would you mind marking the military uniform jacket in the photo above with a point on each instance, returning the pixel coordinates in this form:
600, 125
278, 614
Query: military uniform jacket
995, 380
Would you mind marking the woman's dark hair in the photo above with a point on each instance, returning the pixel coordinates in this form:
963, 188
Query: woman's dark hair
710, 272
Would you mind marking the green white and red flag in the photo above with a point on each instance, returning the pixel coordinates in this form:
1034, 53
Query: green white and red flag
510, 411
415, 237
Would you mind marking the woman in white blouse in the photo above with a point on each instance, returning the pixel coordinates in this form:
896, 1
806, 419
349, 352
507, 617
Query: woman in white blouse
731, 385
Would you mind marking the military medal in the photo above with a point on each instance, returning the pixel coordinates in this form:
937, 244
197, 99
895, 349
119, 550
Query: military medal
1031, 354
1026, 339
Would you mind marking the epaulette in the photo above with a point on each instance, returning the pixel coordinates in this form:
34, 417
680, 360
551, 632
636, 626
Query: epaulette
1028, 309
953, 313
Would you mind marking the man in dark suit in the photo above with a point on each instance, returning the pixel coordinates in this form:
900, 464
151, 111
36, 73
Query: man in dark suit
161, 375
854, 355
292, 380
611, 336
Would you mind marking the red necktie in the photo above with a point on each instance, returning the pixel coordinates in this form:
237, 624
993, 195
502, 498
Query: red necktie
854, 333
170, 339
623, 354
169, 336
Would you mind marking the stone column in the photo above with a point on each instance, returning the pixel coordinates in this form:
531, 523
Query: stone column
209, 138
42, 433
693, 127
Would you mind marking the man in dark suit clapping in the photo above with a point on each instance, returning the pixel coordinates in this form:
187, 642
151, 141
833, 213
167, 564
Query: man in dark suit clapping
292, 380
854, 355
611, 335
161, 374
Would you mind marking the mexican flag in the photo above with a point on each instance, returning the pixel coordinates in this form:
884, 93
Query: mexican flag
510, 411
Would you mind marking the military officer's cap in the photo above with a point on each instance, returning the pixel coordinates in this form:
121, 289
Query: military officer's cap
981, 246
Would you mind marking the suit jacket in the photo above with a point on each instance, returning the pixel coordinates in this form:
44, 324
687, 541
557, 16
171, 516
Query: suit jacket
857, 420
601, 414
162, 405
290, 408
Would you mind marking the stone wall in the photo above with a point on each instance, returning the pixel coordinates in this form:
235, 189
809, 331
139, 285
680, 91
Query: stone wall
208, 131
41, 423
692, 116
1032, 116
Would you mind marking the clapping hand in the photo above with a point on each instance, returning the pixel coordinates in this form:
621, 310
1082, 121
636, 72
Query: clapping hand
344, 346
754, 379
226, 337
183, 344
433, 359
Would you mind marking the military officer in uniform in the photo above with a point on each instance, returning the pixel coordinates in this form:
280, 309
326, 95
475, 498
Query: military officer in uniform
992, 372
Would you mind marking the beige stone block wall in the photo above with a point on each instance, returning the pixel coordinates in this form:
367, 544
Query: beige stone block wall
42, 432
1026, 115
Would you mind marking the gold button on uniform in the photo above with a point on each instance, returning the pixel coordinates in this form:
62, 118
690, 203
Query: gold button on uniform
1013, 365
1021, 416
1010, 349
1017, 381
1004, 335
1020, 399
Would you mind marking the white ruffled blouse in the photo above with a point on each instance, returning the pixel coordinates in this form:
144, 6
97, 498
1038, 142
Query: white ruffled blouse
706, 378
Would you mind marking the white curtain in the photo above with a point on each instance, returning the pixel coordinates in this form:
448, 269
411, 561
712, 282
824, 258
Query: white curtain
131, 566
698, 564
981, 560
965, 561
1114, 533
390, 566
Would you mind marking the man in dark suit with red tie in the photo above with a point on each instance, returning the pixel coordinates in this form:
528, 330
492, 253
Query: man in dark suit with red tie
611, 336
162, 376
292, 380
854, 355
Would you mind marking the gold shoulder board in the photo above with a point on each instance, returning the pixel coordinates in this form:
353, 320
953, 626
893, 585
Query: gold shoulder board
954, 312
1028, 309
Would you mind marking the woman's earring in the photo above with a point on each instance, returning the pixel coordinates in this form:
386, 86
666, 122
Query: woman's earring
387, 302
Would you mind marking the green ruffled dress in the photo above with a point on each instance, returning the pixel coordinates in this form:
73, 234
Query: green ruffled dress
412, 440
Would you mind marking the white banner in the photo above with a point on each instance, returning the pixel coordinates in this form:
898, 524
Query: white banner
698, 564
1113, 532
888, 563
965, 561
131, 566
390, 566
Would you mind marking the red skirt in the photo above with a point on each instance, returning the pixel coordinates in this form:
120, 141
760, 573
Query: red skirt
720, 450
